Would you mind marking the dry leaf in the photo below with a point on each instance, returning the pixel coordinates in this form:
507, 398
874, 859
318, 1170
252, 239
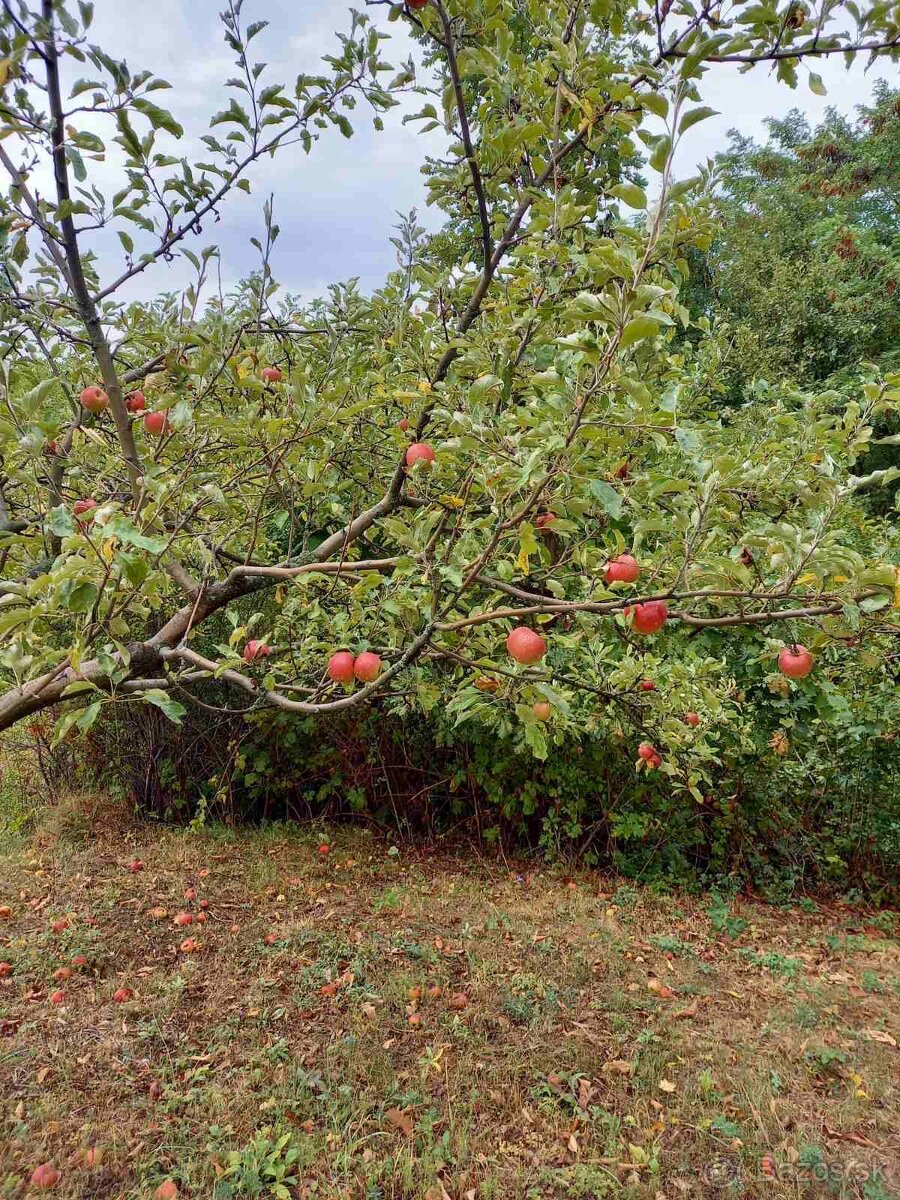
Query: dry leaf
399, 1120
618, 1066
666, 1085
691, 1010
878, 1035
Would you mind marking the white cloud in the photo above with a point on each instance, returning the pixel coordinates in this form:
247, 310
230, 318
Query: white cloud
337, 206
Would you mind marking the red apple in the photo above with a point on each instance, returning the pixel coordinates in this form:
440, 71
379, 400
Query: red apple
650, 617
135, 866
61, 975
190, 894
183, 918
324, 849
544, 519
5, 970
52, 447
166, 1191
525, 645
340, 667
270, 375
655, 760
403, 424
122, 995
189, 946
541, 710
692, 719
367, 666
156, 423
58, 997
419, 452
201, 917
256, 649
647, 685
136, 402
60, 925
5, 912
623, 569
80, 507
79, 961
44, 1177
795, 661
646, 751
94, 399
416, 4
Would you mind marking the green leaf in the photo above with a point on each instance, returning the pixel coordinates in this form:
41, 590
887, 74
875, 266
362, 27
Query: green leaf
816, 85
694, 117
82, 597
637, 329
607, 496
630, 194
164, 702
61, 522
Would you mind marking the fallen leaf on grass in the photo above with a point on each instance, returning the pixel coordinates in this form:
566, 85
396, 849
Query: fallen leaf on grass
878, 1035
666, 1085
618, 1066
399, 1120
692, 1009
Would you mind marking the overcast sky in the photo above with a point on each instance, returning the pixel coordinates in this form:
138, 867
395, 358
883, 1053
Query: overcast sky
336, 206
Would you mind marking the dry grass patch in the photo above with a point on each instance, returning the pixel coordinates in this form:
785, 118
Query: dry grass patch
374, 1024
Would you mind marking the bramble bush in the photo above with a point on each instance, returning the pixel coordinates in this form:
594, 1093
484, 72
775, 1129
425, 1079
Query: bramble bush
487, 504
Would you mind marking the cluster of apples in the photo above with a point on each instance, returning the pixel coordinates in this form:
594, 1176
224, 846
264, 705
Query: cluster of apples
344, 667
95, 400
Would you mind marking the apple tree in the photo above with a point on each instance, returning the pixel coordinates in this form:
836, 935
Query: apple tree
500, 484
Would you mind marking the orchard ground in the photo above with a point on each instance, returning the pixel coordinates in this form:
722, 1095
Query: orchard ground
354, 1019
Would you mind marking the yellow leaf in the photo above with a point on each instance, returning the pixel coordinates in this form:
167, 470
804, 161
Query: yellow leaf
808, 577
108, 549
666, 1085
424, 386
897, 590
4, 71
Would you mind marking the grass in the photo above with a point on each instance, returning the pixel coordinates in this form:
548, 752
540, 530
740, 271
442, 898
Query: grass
367, 1024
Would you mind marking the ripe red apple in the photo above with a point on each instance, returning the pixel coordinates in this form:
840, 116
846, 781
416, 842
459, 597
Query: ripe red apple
367, 666
646, 751
623, 569
541, 710
650, 617
324, 849
647, 685
189, 946
795, 661
201, 917
61, 975
270, 939
416, 4
58, 997
136, 401
94, 399
5, 912
255, 649
60, 925
79, 961
204, 904
80, 507
122, 995
340, 667
403, 424
183, 918
544, 519
156, 423
44, 1177
692, 719
271, 375
655, 760
5, 970
525, 645
52, 447
166, 1191
190, 894
135, 866
419, 452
